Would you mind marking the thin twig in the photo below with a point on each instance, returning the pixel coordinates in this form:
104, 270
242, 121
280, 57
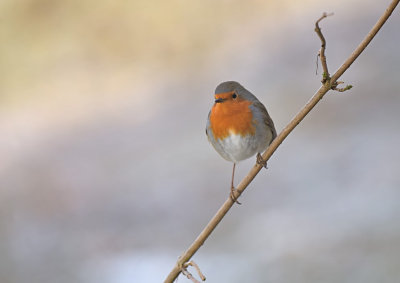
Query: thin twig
275, 144
343, 89
321, 54
189, 275
192, 263
340, 89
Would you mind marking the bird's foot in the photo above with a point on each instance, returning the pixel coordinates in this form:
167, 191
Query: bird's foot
232, 195
261, 161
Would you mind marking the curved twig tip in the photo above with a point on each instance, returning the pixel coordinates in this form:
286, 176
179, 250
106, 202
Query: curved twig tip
324, 15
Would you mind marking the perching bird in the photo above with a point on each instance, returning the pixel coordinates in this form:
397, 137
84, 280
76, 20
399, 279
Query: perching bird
238, 125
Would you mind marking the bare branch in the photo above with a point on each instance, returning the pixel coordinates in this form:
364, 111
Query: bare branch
332, 82
360, 48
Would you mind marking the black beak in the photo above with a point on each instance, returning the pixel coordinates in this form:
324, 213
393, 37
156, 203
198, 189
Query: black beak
219, 100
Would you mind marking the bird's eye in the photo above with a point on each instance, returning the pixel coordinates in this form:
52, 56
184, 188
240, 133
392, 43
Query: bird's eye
234, 95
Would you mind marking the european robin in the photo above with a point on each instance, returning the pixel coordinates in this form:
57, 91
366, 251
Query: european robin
238, 125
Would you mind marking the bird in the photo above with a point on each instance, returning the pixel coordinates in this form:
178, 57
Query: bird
238, 126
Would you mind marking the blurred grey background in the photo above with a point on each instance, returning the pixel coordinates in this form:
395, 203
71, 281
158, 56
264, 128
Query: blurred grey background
106, 174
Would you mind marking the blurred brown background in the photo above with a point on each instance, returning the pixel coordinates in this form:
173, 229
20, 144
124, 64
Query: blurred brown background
106, 174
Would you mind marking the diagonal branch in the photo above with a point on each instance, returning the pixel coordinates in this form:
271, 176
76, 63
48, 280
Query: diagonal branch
277, 141
360, 48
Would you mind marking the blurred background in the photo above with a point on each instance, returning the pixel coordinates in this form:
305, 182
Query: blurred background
106, 174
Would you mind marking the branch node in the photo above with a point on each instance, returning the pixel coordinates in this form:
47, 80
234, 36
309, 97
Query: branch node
325, 77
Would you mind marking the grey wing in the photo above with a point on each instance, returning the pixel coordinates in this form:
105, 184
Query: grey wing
208, 123
266, 118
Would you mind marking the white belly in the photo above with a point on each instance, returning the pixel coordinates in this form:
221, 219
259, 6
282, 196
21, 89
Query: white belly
236, 147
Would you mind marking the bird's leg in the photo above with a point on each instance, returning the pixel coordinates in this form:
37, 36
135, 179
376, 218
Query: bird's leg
261, 161
232, 187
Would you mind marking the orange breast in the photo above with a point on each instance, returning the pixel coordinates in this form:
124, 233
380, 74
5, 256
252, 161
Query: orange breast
231, 117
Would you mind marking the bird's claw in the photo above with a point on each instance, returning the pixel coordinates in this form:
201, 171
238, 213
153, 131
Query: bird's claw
261, 161
232, 195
